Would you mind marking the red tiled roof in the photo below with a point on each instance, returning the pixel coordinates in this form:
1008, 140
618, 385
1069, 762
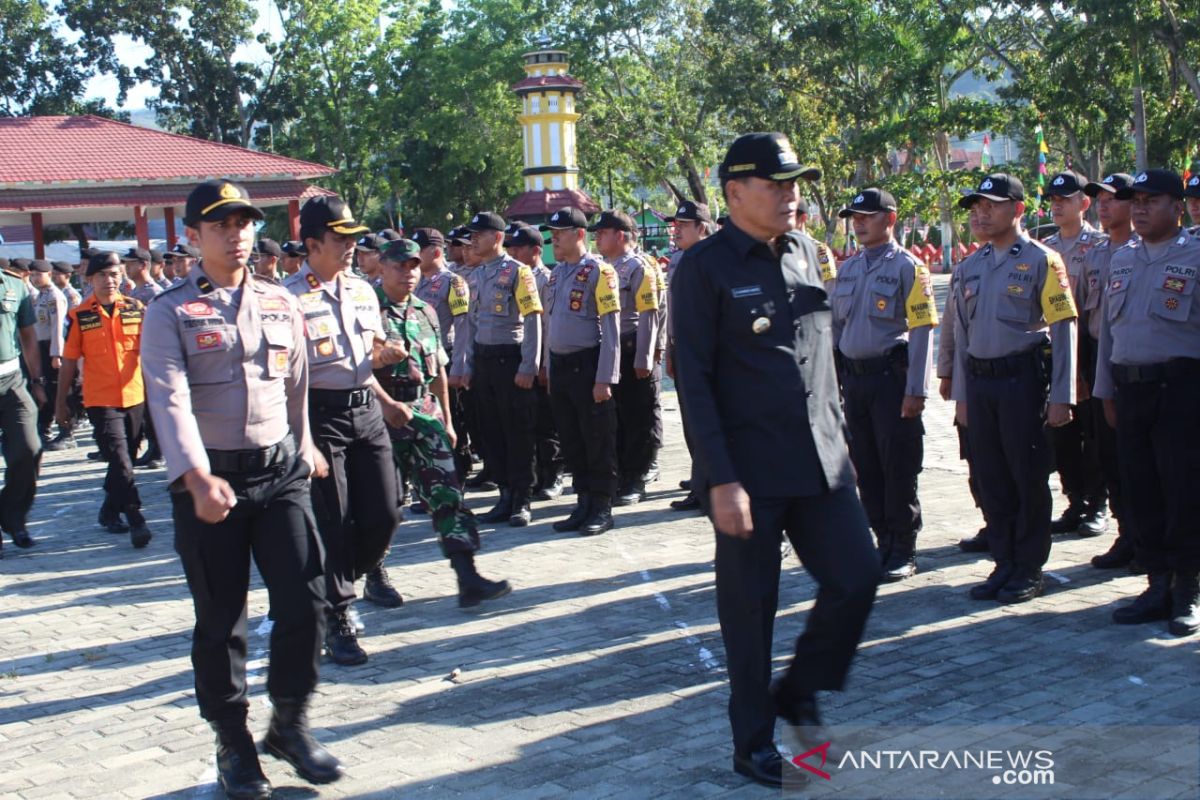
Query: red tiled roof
17, 201
57, 150
544, 202
547, 82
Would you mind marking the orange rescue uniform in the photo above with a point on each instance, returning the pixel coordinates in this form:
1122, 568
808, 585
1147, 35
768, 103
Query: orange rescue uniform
109, 345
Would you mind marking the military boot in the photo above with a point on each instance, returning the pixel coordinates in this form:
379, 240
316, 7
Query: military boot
901, 562
521, 513
600, 517
578, 515
632, 493
289, 739
1151, 605
1022, 586
238, 770
975, 544
1094, 520
501, 511
1070, 519
1117, 556
994, 583
473, 588
1185, 604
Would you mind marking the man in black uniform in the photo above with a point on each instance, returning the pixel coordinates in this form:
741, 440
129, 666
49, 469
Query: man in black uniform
754, 362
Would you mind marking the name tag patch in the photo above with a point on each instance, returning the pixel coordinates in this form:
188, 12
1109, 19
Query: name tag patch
746, 291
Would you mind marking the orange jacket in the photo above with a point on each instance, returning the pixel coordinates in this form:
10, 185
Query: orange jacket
109, 347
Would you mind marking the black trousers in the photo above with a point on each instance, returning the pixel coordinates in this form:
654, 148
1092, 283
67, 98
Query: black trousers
272, 522
1077, 456
356, 504
1158, 434
586, 429
830, 536
508, 415
1010, 452
549, 451
117, 432
638, 439
45, 417
1110, 464
887, 450
22, 451
465, 429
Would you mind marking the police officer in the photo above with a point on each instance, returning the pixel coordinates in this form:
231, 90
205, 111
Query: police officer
266, 261
1191, 198
60, 276
366, 257
1115, 218
158, 266
18, 412
226, 377
293, 257
501, 365
1076, 450
105, 331
137, 270
50, 308
410, 366
1148, 374
524, 243
755, 367
583, 364
1008, 295
464, 263
185, 256
883, 316
356, 505
636, 394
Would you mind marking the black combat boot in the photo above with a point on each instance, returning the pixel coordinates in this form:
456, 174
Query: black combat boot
1117, 556
1185, 604
501, 511
378, 589
1071, 517
1025, 584
688, 503
994, 583
473, 588
1094, 520
341, 640
633, 493
578, 515
600, 517
901, 562
550, 487
975, 544
289, 739
238, 770
139, 534
521, 513
110, 519
1149, 606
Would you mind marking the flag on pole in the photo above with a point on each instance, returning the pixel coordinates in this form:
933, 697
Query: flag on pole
1041, 177
985, 157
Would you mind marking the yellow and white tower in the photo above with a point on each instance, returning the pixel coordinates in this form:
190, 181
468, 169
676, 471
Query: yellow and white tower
548, 120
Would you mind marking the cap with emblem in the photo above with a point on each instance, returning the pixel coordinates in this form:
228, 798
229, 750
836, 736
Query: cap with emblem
869, 201
1110, 185
1192, 187
294, 248
64, 267
486, 221
328, 213
101, 259
1066, 183
459, 235
997, 187
526, 236
428, 237
569, 217
389, 235
764, 155
186, 250
136, 254
20, 264
269, 247
401, 250
691, 212
370, 243
156, 256
40, 265
215, 200
1154, 181
615, 220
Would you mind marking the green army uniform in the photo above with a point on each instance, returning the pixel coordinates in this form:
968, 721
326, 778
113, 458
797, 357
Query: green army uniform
422, 448
18, 412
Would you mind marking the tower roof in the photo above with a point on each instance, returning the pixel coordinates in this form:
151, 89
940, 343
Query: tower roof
543, 82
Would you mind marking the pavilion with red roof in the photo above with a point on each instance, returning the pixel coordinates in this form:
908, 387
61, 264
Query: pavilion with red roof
63, 170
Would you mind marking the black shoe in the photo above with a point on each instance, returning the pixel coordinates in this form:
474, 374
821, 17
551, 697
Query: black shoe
341, 641
148, 461
994, 583
1152, 605
1070, 519
1094, 520
600, 517
473, 588
802, 727
501, 511
975, 544
139, 535
686, 485
767, 767
653, 473
64, 441
94, 455
578, 515
22, 539
1117, 556
419, 508
901, 562
378, 589
289, 739
111, 521
480, 483
688, 503
551, 490
238, 770
521, 514
1025, 584
1185, 604
633, 493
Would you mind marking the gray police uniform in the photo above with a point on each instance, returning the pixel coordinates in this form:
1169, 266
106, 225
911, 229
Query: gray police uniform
583, 349
145, 292
18, 413
1149, 363
506, 342
945, 369
50, 308
226, 380
72, 295
883, 314
446, 293
1005, 302
356, 504
637, 398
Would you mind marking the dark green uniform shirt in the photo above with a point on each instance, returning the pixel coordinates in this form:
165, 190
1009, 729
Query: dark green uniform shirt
413, 324
16, 312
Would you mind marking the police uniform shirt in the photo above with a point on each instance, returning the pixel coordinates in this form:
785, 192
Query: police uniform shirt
541, 278
945, 354
638, 292
1074, 251
50, 309
825, 260
16, 312
1150, 313
72, 295
342, 322
146, 292
505, 309
883, 298
164, 282
754, 363
1004, 304
449, 297
220, 364
1096, 266
583, 307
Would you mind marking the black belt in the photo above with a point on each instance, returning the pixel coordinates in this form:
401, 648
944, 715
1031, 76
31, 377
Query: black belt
243, 460
578, 358
897, 356
497, 350
1004, 366
1150, 373
340, 398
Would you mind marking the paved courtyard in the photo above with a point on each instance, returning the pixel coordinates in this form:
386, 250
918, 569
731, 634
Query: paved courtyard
601, 675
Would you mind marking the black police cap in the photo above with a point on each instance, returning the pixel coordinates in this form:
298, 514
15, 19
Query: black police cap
998, 186
136, 254
294, 248
40, 265
428, 237
1111, 184
1192, 187
1154, 181
869, 201
21, 264
614, 220
1066, 183
569, 217
270, 247
101, 259
329, 213
689, 211
187, 250
764, 155
65, 267
370, 243
526, 236
486, 221
459, 235
214, 200
389, 235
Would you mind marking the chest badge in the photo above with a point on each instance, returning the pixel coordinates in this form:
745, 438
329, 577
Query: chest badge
881, 304
761, 325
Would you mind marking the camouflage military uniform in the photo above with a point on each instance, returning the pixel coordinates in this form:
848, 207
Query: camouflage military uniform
422, 448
